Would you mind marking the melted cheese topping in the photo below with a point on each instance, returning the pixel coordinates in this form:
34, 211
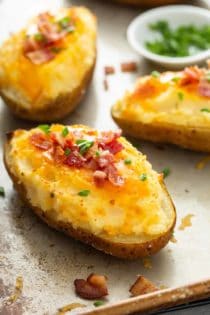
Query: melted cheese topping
161, 100
36, 84
132, 210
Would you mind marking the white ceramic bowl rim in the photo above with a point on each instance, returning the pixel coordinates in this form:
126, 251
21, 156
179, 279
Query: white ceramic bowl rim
158, 58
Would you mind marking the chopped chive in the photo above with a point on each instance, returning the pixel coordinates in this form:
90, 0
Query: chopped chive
64, 22
143, 177
84, 145
180, 96
166, 171
39, 37
97, 153
155, 74
205, 110
175, 79
65, 132
45, 128
127, 161
84, 193
67, 152
2, 191
98, 303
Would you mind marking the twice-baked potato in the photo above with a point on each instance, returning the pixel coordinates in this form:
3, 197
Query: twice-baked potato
94, 186
172, 107
46, 67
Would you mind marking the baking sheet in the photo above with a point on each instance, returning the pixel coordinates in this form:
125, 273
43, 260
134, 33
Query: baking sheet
49, 261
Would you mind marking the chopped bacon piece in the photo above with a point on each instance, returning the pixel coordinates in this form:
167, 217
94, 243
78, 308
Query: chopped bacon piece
30, 44
105, 159
142, 286
59, 155
129, 66
191, 75
40, 141
49, 29
99, 177
108, 136
204, 88
106, 86
109, 70
113, 175
114, 147
40, 56
75, 159
95, 287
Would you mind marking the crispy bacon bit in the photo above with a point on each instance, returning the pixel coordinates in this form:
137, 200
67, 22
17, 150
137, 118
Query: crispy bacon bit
204, 88
106, 86
59, 155
75, 159
95, 287
113, 175
40, 56
40, 141
129, 66
142, 286
109, 70
191, 75
99, 177
43, 46
100, 157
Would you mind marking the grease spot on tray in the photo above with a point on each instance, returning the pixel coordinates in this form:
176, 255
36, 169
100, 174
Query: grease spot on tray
63, 310
203, 162
186, 222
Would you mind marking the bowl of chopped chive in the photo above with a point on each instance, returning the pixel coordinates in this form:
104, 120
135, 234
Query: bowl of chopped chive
173, 36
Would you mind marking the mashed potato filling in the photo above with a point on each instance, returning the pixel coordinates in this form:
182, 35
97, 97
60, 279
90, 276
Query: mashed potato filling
135, 208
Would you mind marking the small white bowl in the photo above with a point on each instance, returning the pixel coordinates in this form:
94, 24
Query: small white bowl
138, 32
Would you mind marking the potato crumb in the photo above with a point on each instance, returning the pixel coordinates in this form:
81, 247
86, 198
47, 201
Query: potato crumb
202, 163
186, 222
147, 263
142, 286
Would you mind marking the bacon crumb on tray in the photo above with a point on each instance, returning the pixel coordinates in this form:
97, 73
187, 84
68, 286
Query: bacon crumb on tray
109, 70
106, 85
142, 286
95, 287
129, 66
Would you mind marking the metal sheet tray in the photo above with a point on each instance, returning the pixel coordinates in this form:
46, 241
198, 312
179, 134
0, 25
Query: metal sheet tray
49, 261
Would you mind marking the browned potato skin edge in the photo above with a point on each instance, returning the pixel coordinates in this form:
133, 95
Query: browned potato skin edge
120, 250
149, 3
55, 110
186, 137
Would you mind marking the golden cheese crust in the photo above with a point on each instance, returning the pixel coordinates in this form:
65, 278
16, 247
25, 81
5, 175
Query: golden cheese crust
160, 109
128, 221
51, 90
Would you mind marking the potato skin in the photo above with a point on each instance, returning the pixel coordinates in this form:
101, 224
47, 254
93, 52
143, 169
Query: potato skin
56, 109
186, 137
121, 250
